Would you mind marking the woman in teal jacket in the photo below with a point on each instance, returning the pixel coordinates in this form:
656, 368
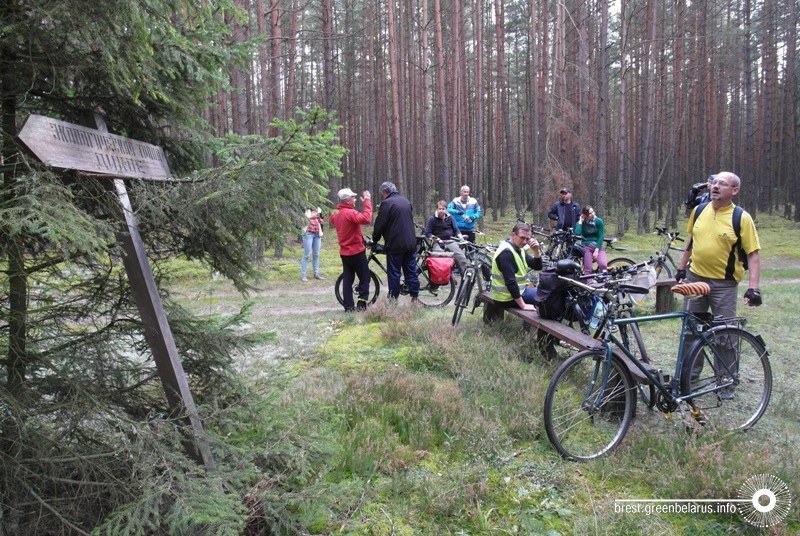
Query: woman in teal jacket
593, 230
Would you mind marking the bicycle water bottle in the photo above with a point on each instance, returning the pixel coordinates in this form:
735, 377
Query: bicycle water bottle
598, 312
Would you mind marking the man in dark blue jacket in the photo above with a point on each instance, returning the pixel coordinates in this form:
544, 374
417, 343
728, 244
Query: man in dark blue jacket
565, 212
395, 224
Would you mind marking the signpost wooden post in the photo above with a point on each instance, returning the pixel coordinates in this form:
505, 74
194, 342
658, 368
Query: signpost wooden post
69, 146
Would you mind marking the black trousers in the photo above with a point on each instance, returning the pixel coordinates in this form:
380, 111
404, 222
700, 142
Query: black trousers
355, 266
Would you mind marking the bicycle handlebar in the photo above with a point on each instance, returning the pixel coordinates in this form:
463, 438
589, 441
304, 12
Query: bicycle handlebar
607, 287
673, 235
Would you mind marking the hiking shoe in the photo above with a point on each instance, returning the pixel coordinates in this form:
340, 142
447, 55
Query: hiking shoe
304, 279
317, 276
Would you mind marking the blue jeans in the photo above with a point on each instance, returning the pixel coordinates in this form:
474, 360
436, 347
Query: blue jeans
311, 244
528, 294
406, 261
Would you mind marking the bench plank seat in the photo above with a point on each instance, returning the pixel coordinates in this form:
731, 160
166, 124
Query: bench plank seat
562, 332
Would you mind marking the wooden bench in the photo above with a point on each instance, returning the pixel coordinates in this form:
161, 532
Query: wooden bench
550, 328
665, 298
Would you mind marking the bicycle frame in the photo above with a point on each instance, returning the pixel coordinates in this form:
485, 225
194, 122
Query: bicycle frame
473, 275
671, 391
423, 245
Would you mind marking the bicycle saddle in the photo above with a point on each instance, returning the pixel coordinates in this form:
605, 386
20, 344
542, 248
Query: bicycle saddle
692, 289
567, 266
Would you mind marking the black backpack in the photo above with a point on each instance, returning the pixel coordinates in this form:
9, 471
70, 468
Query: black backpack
737, 229
551, 298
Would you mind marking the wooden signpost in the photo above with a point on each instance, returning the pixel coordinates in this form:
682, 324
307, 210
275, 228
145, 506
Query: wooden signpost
68, 146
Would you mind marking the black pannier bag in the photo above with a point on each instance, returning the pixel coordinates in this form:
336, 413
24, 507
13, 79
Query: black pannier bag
551, 294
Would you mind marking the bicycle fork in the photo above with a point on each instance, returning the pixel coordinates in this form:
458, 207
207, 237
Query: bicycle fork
593, 404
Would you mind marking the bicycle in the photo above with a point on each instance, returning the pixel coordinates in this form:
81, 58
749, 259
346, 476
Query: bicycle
663, 270
591, 398
663, 264
430, 295
478, 272
558, 245
567, 245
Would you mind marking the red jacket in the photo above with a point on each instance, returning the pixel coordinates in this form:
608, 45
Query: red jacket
348, 222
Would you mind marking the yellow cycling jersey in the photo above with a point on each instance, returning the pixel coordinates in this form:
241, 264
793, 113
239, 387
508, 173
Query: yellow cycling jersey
714, 243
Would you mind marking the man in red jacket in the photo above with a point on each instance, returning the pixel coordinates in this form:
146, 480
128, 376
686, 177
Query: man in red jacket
347, 222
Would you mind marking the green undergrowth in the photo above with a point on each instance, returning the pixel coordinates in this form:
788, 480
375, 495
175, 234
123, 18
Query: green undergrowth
435, 430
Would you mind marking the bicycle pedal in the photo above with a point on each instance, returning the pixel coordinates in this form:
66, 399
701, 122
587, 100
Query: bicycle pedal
699, 417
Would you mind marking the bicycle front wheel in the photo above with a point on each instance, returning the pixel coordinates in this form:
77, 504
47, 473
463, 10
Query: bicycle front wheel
737, 373
463, 295
663, 271
431, 295
374, 288
583, 419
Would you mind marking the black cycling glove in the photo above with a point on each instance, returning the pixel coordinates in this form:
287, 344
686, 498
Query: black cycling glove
753, 296
680, 275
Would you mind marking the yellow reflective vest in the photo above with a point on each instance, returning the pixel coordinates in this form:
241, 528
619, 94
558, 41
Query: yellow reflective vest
499, 290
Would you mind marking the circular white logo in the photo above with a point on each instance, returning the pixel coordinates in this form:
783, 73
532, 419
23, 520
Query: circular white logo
765, 500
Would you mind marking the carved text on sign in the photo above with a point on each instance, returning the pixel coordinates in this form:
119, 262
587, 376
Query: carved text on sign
69, 146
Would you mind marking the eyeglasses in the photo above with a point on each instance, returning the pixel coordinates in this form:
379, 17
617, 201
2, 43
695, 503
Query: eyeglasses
721, 184
526, 238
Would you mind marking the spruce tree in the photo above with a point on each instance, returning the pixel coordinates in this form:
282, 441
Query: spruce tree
81, 408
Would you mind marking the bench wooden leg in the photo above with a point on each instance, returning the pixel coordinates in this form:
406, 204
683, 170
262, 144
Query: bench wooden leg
665, 299
546, 344
492, 313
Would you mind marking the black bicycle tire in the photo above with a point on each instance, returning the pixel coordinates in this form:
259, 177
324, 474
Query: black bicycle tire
746, 396
429, 294
663, 271
375, 283
463, 295
620, 261
611, 423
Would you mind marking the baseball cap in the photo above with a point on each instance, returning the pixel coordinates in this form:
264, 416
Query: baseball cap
346, 193
565, 190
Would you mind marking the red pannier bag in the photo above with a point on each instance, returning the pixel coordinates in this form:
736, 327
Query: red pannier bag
439, 269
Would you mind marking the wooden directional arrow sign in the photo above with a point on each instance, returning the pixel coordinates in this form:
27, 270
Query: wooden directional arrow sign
68, 146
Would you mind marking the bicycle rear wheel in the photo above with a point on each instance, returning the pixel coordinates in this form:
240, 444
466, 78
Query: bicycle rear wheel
617, 262
739, 374
431, 295
374, 288
463, 295
583, 420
